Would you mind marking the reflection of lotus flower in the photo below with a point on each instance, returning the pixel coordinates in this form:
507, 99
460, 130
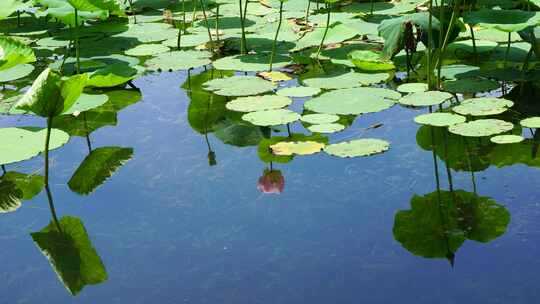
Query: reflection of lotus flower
271, 182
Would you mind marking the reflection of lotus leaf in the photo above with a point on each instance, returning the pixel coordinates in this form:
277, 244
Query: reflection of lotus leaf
358, 147
298, 148
352, 101
258, 103
423, 99
481, 127
439, 119
271, 117
16, 187
483, 106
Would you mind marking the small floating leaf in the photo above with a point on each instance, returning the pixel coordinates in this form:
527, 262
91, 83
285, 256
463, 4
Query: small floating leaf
358, 147
275, 76
271, 117
326, 128
483, 106
250, 63
239, 86
18, 144
319, 118
345, 81
147, 50
412, 87
298, 148
258, 103
352, 101
481, 127
423, 99
507, 139
470, 85
439, 119
179, 60
298, 91
531, 122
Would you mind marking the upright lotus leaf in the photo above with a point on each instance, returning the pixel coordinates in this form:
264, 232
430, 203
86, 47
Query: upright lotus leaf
502, 20
483, 106
18, 144
97, 167
8, 7
16, 187
353, 101
481, 127
71, 254
14, 52
439, 222
50, 95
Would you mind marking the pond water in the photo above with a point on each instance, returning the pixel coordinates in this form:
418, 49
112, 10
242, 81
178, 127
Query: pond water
170, 228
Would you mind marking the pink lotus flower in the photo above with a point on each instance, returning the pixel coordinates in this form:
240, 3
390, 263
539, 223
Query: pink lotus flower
271, 182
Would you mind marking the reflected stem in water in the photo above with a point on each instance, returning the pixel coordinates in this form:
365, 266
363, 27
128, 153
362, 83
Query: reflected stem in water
47, 189
473, 179
289, 130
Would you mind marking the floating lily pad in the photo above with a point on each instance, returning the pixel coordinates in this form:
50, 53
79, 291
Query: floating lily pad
507, 139
179, 60
412, 87
353, 101
250, 63
187, 40
458, 71
239, 86
345, 81
298, 91
358, 147
275, 76
298, 148
326, 128
470, 85
483, 106
439, 119
481, 127
502, 20
149, 32
18, 144
16, 72
258, 103
370, 61
482, 46
87, 102
531, 122
271, 117
147, 50
423, 99
316, 119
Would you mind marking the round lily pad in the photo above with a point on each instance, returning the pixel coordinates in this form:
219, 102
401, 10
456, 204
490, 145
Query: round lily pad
358, 147
271, 117
250, 63
298, 148
147, 50
17, 72
239, 86
423, 99
531, 122
467, 46
457, 71
345, 81
481, 127
179, 60
18, 144
352, 101
319, 118
470, 85
258, 103
87, 102
187, 40
412, 87
370, 61
507, 139
298, 91
326, 128
439, 119
483, 106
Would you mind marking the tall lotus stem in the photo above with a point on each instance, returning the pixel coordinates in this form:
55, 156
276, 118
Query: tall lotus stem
307, 11
217, 23
371, 8
325, 31
47, 189
77, 55
243, 47
507, 49
430, 45
132, 11
3, 169
475, 52
276, 36
438, 63
207, 25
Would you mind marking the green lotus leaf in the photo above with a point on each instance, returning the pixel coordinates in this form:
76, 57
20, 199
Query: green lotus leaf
53, 42
507, 139
71, 254
16, 187
458, 71
326, 128
250, 63
424, 99
271, 117
413, 87
337, 32
112, 75
239, 134
239, 86
18, 144
470, 85
148, 32
345, 81
147, 50
258, 103
358, 147
8, 7
16, 72
14, 52
296, 148
187, 40
502, 20
467, 46
483, 106
87, 102
298, 91
316, 119
179, 60
439, 119
353, 101
531, 122
370, 61
481, 127
64, 12
97, 167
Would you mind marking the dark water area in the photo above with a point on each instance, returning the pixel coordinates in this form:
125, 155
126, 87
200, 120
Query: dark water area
169, 228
